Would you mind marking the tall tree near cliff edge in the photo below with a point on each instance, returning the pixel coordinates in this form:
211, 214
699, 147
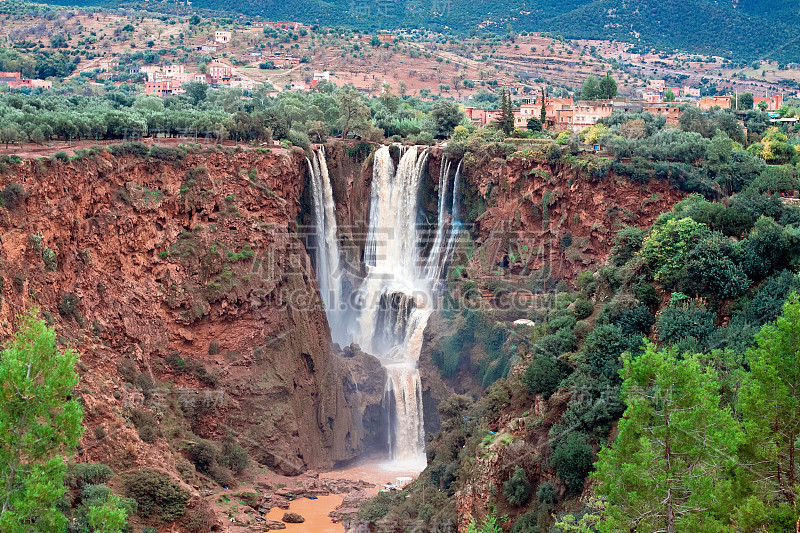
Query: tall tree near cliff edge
354, 112
506, 119
543, 112
607, 88
590, 89
39, 424
770, 406
669, 469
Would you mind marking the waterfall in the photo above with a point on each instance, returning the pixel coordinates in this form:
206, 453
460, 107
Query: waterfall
329, 275
442, 251
455, 223
435, 256
396, 296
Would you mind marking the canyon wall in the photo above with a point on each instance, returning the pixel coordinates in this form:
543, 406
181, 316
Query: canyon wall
183, 285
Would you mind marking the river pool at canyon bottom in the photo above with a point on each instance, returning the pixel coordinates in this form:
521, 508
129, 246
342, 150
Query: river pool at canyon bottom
316, 511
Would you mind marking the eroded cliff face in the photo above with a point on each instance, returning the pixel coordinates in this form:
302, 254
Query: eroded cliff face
185, 289
533, 215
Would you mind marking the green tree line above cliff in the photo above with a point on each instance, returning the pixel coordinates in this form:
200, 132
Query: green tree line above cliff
299, 117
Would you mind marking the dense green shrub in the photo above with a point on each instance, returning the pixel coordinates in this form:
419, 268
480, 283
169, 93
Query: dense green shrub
767, 302
586, 282
555, 344
546, 494
636, 321
80, 474
136, 148
543, 375
688, 321
50, 259
298, 138
376, 508
715, 261
204, 455
766, 246
565, 321
156, 492
603, 348
12, 195
233, 455
163, 153
517, 489
573, 459
666, 248
583, 308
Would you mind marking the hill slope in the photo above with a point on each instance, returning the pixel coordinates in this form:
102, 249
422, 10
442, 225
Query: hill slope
746, 29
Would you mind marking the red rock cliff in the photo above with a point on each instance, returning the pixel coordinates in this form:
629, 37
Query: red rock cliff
186, 291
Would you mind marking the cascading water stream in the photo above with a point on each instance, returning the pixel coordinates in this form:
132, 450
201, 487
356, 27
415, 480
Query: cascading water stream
329, 275
455, 224
435, 256
396, 296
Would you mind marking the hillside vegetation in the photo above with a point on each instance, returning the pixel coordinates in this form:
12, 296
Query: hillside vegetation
747, 30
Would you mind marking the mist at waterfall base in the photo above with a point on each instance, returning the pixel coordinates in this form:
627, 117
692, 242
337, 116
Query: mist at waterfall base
386, 311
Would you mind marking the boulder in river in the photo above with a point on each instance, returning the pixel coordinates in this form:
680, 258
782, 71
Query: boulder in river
293, 518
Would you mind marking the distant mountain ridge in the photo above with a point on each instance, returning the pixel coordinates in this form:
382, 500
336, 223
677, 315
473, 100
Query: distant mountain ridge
744, 29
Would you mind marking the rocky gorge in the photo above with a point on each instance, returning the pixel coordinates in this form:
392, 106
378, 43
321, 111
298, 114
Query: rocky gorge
184, 279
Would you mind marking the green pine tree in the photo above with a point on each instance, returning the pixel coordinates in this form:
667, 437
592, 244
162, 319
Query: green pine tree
607, 88
668, 469
506, 120
770, 406
39, 424
543, 112
590, 89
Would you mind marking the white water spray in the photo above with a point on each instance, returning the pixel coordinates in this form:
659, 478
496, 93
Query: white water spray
329, 275
397, 294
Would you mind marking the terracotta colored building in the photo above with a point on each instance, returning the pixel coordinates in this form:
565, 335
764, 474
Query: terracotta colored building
710, 102
671, 111
773, 102
158, 88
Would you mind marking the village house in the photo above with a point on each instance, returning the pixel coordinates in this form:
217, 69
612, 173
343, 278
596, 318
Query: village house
14, 80
172, 70
218, 71
223, 37
691, 92
670, 111
41, 84
724, 102
243, 84
588, 112
150, 71
158, 88
773, 102
108, 64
